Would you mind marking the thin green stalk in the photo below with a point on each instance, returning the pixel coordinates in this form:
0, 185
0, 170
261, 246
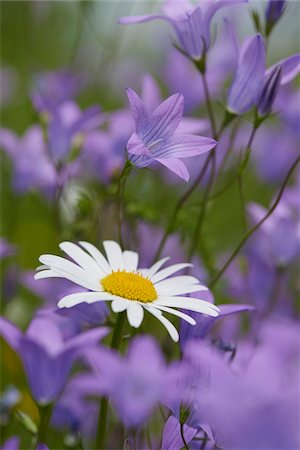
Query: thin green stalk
209, 106
257, 226
102, 421
45, 416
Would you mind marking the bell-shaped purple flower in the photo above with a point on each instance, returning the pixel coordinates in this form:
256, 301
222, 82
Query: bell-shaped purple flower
190, 23
47, 358
249, 79
156, 140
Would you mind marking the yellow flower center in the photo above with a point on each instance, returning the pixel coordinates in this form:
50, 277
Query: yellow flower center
130, 285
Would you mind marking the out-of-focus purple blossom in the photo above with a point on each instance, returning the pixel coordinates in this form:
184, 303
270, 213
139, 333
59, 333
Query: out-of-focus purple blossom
290, 115
249, 79
269, 92
8, 85
280, 234
155, 139
275, 151
243, 410
51, 89
47, 358
11, 443
290, 68
274, 11
33, 168
6, 249
8, 400
68, 123
135, 384
191, 23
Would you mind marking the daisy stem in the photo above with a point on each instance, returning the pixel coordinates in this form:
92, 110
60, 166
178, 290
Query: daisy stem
257, 226
102, 421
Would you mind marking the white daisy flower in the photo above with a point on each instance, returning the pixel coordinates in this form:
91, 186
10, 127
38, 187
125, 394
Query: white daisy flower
118, 279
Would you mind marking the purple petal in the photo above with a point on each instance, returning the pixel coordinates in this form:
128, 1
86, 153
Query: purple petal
45, 333
176, 166
184, 146
136, 146
10, 333
8, 141
137, 109
249, 78
189, 30
129, 20
171, 439
290, 68
46, 375
164, 120
192, 125
211, 10
11, 443
226, 310
87, 338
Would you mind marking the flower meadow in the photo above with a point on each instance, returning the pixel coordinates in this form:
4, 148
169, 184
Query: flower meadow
150, 232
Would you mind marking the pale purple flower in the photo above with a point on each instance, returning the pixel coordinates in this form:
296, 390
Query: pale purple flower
135, 383
47, 358
67, 123
11, 443
191, 23
51, 89
251, 76
33, 168
6, 249
156, 140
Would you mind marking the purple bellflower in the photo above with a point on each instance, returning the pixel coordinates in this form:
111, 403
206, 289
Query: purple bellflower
53, 88
33, 168
253, 84
155, 139
66, 124
47, 358
6, 249
190, 23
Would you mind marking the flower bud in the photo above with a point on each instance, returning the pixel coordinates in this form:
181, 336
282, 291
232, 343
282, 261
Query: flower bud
269, 92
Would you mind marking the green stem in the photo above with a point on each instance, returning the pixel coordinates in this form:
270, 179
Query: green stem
102, 421
45, 416
209, 106
257, 226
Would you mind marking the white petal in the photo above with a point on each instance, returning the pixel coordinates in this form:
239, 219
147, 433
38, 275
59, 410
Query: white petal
175, 312
193, 304
135, 314
83, 297
131, 260
119, 305
177, 289
153, 269
114, 255
164, 273
168, 325
97, 255
46, 274
71, 271
182, 279
82, 258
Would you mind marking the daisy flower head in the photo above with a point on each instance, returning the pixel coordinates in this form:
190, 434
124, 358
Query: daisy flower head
117, 278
